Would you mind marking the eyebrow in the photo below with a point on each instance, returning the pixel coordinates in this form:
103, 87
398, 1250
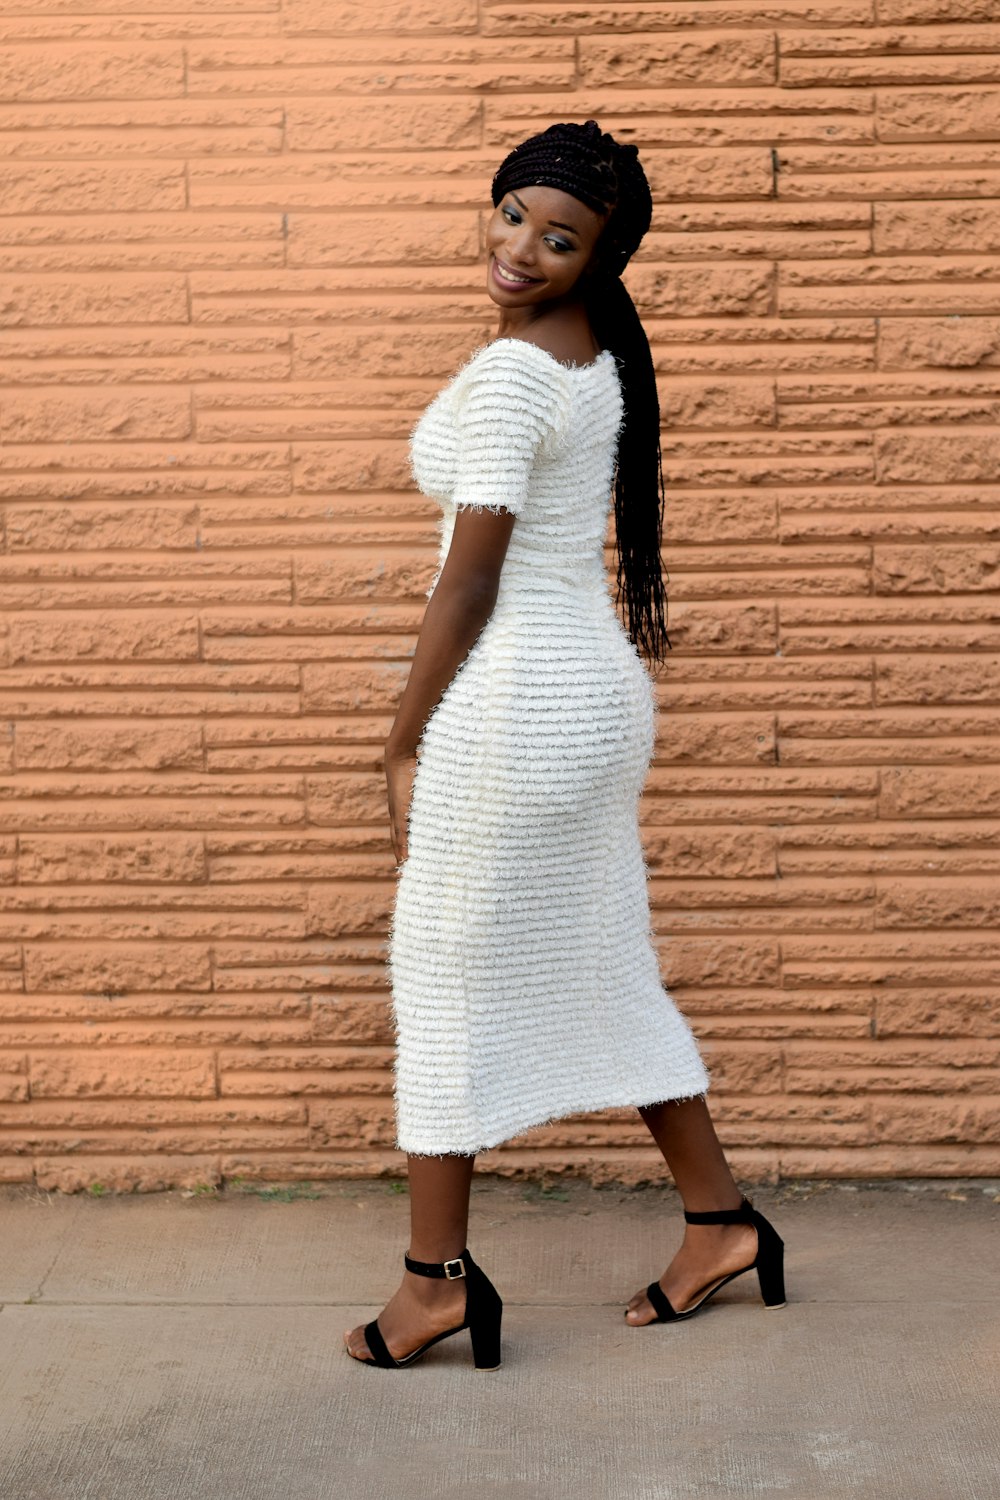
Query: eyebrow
554, 222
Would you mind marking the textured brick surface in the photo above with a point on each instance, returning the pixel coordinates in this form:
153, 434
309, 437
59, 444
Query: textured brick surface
240, 248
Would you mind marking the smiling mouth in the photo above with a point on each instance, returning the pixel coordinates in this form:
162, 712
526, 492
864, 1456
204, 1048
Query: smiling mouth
513, 277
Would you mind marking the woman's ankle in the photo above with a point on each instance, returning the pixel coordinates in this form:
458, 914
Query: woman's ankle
436, 1252
432, 1291
703, 1202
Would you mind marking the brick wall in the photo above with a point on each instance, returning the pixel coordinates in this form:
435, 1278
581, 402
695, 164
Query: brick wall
240, 252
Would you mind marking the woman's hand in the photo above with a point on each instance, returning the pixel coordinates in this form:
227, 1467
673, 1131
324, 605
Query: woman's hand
462, 602
399, 773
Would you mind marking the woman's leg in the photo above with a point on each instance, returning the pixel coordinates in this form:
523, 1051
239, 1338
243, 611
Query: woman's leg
685, 1134
439, 1226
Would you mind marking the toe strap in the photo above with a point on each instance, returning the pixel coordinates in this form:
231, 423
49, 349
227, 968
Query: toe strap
657, 1296
377, 1345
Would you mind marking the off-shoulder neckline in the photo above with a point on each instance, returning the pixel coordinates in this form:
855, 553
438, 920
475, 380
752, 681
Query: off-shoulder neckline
527, 344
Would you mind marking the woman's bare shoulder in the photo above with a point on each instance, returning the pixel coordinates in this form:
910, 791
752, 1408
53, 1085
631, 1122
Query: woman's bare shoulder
565, 341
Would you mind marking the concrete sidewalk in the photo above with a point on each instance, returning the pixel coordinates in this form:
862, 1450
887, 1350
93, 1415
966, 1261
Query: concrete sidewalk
182, 1347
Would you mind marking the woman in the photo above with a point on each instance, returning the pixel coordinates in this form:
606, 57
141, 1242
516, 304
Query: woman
525, 982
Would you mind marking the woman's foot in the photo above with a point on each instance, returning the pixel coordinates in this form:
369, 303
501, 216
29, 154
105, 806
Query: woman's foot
709, 1252
422, 1307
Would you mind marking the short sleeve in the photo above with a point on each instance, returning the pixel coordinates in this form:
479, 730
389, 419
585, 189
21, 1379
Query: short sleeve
511, 403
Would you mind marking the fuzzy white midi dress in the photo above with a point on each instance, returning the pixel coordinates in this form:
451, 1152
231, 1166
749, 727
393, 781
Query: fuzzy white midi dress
525, 984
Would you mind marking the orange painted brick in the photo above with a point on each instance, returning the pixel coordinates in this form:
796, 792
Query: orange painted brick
73, 189
352, 465
367, 67
351, 1123
108, 747
337, 17
292, 1166
103, 470
438, 238
64, 637
521, 16
122, 241
140, 128
699, 291
896, 286
362, 575
941, 1120
923, 114
956, 343
178, 858
692, 852
345, 1079
13, 1084
344, 688
942, 54
714, 960
721, 403
432, 353
735, 1069
381, 124
937, 791
79, 416
235, 266
364, 909
931, 228
948, 903
659, 60
122, 1072
144, 1172
347, 799
98, 72
153, 1141
938, 1012
893, 12
92, 299
302, 1059
99, 528
114, 968
946, 680
897, 1160
343, 1019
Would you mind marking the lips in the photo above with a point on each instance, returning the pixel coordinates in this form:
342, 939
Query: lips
509, 277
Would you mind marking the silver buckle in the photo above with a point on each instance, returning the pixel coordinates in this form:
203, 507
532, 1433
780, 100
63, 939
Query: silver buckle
454, 1275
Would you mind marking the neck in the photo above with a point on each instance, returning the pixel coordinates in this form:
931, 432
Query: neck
516, 320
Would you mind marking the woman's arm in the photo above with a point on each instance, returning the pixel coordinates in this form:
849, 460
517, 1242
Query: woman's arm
462, 602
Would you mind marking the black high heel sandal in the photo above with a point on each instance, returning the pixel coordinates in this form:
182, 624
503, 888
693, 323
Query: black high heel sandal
483, 1311
769, 1263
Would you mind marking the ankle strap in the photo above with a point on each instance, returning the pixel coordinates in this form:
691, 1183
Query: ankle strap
723, 1215
450, 1269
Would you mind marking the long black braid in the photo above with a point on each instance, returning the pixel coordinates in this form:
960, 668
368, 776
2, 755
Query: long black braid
607, 176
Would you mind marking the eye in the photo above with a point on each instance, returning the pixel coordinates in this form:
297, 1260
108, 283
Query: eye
513, 217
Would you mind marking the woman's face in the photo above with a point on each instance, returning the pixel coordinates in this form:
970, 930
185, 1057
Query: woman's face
538, 241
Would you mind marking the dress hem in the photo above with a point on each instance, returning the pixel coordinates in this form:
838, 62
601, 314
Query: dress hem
562, 1114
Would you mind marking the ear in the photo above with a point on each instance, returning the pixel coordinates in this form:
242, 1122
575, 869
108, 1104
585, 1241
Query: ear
594, 265
602, 255
593, 272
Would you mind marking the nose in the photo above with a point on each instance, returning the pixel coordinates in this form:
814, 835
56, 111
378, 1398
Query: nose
517, 249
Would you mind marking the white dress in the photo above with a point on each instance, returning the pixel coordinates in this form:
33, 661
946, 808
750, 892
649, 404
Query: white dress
525, 984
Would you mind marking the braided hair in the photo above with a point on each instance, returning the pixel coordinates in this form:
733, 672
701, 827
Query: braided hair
589, 164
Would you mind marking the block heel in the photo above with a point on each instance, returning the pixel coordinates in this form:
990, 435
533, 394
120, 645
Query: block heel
769, 1263
483, 1313
485, 1330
